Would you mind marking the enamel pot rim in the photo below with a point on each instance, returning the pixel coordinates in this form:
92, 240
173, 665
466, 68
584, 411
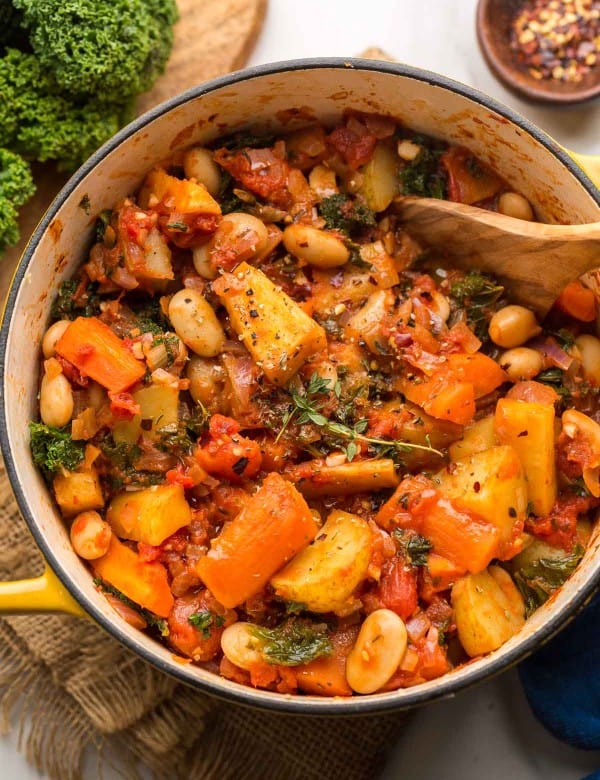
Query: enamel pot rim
444, 686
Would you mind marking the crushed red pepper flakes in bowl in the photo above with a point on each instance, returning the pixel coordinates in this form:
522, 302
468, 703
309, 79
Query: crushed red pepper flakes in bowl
557, 40
543, 50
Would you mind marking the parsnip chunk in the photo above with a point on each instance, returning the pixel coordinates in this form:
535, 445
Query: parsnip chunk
488, 610
279, 335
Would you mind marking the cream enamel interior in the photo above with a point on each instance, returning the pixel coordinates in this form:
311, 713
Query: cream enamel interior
286, 99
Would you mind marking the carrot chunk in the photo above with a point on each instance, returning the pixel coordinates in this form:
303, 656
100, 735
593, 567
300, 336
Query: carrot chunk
460, 536
443, 398
480, 370
578, 301
142, 582
99, 353
274, 525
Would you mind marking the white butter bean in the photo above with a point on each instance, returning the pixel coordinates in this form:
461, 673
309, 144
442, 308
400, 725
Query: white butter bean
202, 263
56, 400
317, 247
207, 378
198, 164
589, 349
239, 234
52, 336
243, 232
378, 651
90, 535
512, 326
511, 204
196, 323
240, 646
521, 363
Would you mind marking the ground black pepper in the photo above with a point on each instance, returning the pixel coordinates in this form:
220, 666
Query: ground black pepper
559, 39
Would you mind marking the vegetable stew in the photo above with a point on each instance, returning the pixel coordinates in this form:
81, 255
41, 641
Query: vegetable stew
295, 445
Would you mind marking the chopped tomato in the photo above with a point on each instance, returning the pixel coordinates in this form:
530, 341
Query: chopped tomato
227, 454
227, 501
200, 640
135, 224
355, 142
534, 392
266, 173
559, 528
188, 230
425, 659
574, 454
123, 406
469, 180
397, 589
187, 475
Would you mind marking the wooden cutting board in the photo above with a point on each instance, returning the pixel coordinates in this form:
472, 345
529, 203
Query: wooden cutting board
212, 37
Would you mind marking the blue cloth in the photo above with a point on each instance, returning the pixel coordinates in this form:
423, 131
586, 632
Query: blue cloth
562, 682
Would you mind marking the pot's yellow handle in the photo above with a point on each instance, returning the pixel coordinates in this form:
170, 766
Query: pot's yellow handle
40, 594
590, 164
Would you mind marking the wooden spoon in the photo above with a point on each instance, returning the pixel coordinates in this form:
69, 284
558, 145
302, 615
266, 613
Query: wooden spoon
533, 260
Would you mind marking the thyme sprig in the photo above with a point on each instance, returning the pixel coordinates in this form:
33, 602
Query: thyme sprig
306, 407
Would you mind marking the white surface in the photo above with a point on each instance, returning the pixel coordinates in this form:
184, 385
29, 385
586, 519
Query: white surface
488, 732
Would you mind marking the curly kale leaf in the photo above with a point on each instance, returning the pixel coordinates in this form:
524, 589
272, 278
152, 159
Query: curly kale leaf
293, 642
150, 318
414, 546
204, 622
112, 49
425, 176
53, 448
16, 187
246, 140
477, 295
539, 579
346, 214
41, 122
65, 307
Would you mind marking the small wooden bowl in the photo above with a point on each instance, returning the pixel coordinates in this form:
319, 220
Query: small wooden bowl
494, 18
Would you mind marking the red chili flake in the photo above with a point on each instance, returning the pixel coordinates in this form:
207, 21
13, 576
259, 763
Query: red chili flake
557, 40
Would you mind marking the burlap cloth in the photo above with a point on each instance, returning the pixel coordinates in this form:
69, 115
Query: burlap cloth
77, 688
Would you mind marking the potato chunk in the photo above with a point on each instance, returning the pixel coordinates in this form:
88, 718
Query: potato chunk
488, 610
78, 491
150, 515
477, 437
529, 428
491, 484
279, 335
324, 575
185, 196
158, 403
380, 178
